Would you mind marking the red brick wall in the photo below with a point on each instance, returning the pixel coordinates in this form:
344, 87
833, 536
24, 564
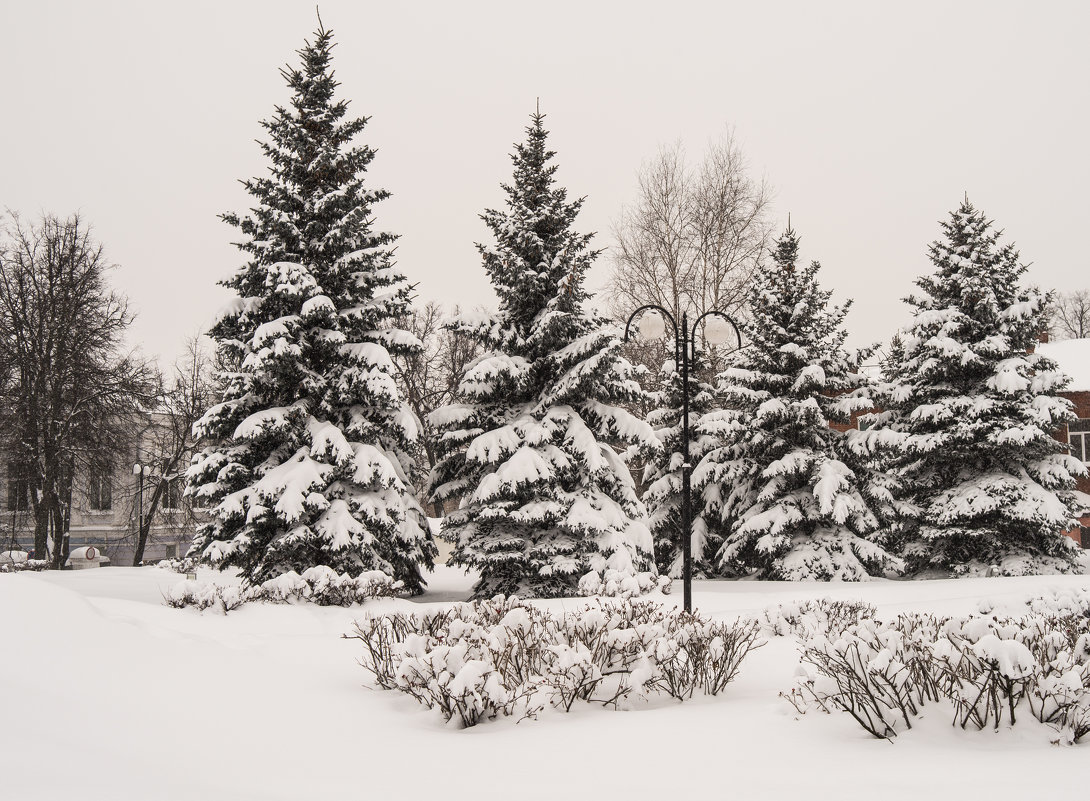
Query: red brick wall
1076, 533
1082, 409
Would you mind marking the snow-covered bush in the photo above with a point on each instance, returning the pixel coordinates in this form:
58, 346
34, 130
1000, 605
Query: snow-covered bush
201, 594
187, 564
319, 585
804, 618
620, 584
878, 673
992, 666
986, 668
448, 678
18, 561
1062, 603
504, 657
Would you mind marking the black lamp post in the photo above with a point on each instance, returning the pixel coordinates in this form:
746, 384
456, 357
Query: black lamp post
141, 472
716, 332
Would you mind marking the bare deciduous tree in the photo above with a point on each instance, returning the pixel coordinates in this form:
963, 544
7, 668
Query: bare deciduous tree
693, 237
1071, 315
430, 378
169, 439
68, 388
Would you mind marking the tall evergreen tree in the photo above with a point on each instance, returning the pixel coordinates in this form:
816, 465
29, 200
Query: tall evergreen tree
309, 462
544, 497
970, 413
787, 504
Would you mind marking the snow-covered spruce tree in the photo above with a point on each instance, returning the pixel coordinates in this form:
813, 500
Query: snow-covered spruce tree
970, 412
308, 462
663, 473
786, 503
544, 498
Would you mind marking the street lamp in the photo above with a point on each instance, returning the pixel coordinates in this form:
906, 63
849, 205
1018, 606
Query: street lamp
717, 331
141, 472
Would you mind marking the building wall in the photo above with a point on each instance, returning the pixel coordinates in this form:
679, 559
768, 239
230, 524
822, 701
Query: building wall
112, 530
1081, 401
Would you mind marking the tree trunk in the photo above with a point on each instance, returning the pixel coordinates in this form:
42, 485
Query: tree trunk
60, 536
141, 540
56, 530
143, 527
41, 533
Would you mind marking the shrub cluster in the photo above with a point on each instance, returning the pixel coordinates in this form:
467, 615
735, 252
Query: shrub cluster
987, 668
18, 565
618, 584
320, 585
183, 565
478, 660
805, 618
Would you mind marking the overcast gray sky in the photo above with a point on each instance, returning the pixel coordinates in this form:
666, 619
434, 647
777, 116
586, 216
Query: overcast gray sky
870, 119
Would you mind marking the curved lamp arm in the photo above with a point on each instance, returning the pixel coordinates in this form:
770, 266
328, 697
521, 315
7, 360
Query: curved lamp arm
658, 308
714, 313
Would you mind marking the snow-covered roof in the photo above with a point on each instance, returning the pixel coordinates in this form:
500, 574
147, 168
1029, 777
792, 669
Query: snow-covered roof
1073, 357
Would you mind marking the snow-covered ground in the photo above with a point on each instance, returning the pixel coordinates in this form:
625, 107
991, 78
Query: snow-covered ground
109, 694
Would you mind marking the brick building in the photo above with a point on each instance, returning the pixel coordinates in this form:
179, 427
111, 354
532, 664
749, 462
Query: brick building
1073, 358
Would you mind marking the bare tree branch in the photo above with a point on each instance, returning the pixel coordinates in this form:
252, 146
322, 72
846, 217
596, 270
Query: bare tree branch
1071, 315
429, 378
693, 237
169, 441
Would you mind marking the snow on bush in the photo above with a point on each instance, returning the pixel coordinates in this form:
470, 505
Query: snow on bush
201, 594
320, 585
18, 561
877, 673
504, 657
620, 584
987, 669
187, 564
1062, 603
805, 618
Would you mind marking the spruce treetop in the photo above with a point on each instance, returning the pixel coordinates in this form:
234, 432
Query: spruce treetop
973, 313
313, 207
538, 262
793, 327
975, 279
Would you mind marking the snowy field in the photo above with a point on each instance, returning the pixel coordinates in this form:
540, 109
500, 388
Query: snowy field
124, 698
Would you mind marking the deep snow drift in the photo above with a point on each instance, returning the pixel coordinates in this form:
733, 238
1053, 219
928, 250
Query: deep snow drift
108, 693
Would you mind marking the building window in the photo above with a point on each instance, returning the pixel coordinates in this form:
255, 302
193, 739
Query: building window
1078, 436
18, 488
172, 552
100, 494
172, 492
